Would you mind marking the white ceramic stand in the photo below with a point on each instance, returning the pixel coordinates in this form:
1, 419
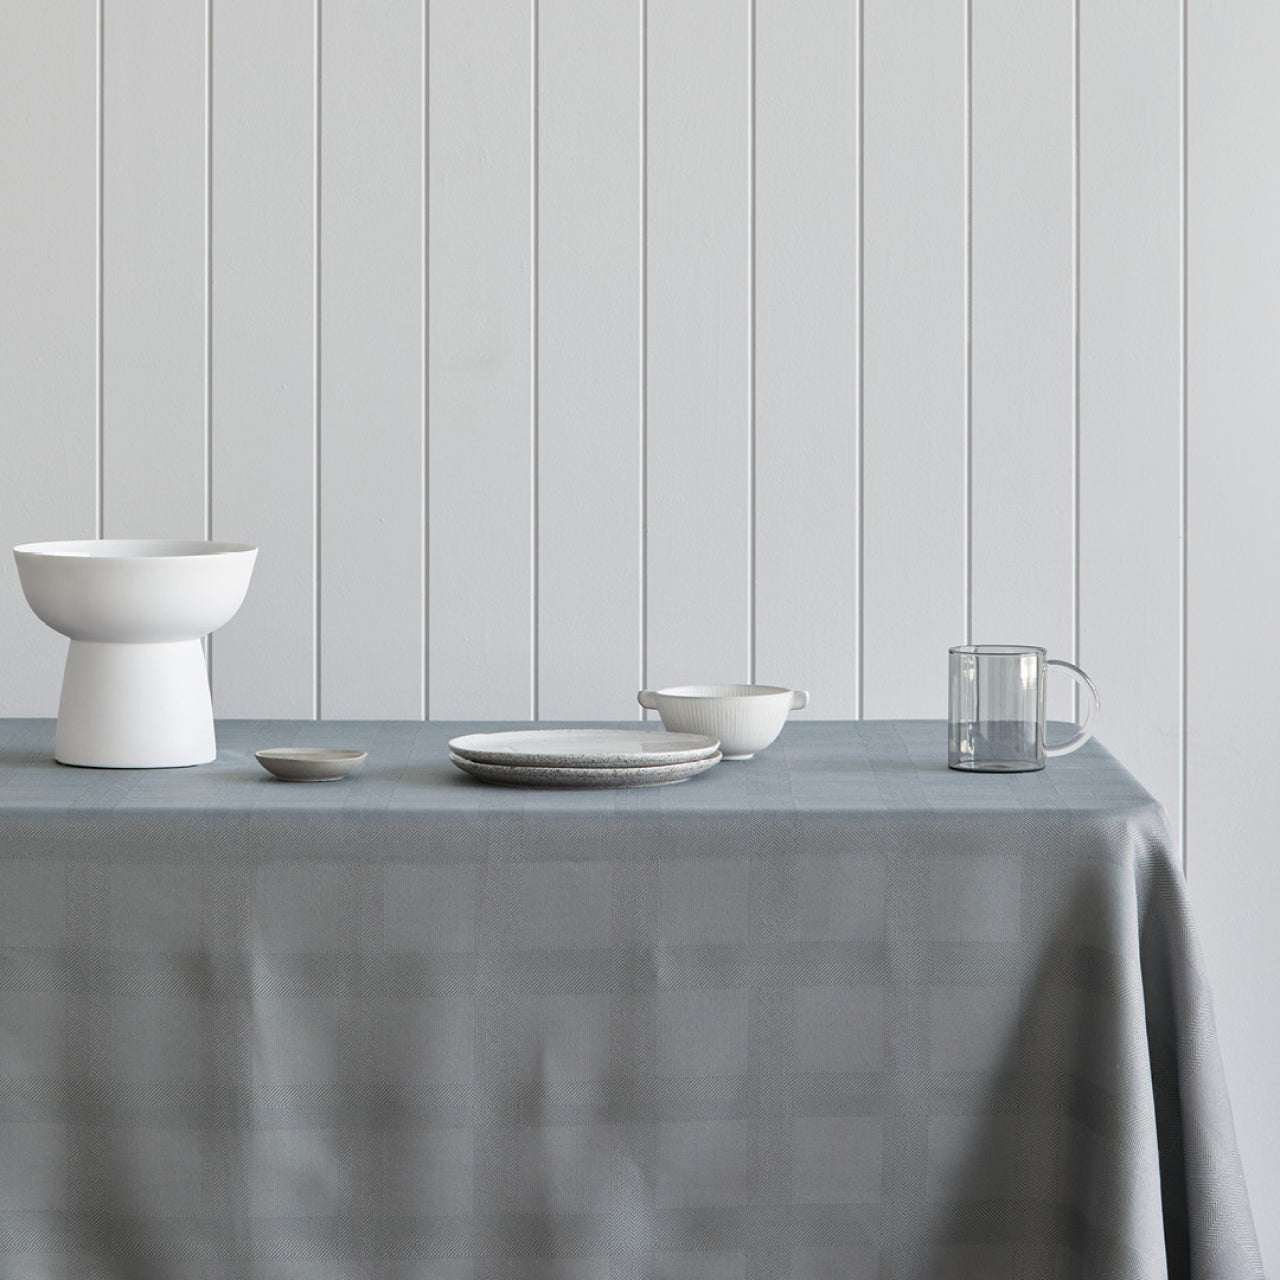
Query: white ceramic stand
135, 690
135, 706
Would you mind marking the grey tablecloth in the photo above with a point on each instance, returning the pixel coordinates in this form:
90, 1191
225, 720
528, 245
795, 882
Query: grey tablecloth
834, 1012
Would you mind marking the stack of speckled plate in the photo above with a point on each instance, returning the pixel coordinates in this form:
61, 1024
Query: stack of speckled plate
584, 757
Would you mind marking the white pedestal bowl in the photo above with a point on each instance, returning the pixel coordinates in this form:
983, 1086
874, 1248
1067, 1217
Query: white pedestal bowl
135, 691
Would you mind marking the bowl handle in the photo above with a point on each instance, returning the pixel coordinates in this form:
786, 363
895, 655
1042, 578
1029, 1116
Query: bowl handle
799, 699
648, 699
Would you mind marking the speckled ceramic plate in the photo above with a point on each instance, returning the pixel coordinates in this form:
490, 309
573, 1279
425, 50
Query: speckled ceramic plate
524, 775
584, 748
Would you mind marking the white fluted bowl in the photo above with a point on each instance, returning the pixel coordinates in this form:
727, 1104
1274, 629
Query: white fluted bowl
745, 717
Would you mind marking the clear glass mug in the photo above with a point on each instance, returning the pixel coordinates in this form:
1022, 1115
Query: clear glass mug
996, 708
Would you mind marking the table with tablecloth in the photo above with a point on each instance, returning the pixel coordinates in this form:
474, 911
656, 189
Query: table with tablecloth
836, 1011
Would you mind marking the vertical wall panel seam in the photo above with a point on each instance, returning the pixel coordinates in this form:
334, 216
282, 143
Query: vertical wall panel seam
317, 375
533, 360
98, 439
859, 398
751, 341
208, 296
426, 361
1075, 348
1183, 456
968, 321
644, 350
208, 276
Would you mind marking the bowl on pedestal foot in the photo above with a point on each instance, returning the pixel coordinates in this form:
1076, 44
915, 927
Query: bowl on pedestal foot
135, 690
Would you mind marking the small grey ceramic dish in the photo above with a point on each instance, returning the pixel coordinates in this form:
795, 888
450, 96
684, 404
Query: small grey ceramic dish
310, 764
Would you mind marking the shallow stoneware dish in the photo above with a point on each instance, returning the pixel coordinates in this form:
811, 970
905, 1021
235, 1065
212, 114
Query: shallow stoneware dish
584, 748
745, 717
524, 775
310, 764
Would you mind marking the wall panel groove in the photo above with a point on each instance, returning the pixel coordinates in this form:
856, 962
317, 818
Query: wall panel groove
208, 279
100, 116
317, 400
642, 391
968, 323
424, 124
1183, 446
752, 620
859, 467
1075, 342
534, 459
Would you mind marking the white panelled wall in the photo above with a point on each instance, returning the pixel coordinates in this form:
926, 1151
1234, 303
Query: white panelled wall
552, 349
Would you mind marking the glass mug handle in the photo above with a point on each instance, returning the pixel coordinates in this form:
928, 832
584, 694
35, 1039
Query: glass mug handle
1085, 732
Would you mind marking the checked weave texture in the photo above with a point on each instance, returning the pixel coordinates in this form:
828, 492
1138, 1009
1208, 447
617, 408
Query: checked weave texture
837, 1011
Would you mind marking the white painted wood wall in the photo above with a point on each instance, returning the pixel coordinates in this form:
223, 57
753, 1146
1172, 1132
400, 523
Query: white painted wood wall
554, 349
